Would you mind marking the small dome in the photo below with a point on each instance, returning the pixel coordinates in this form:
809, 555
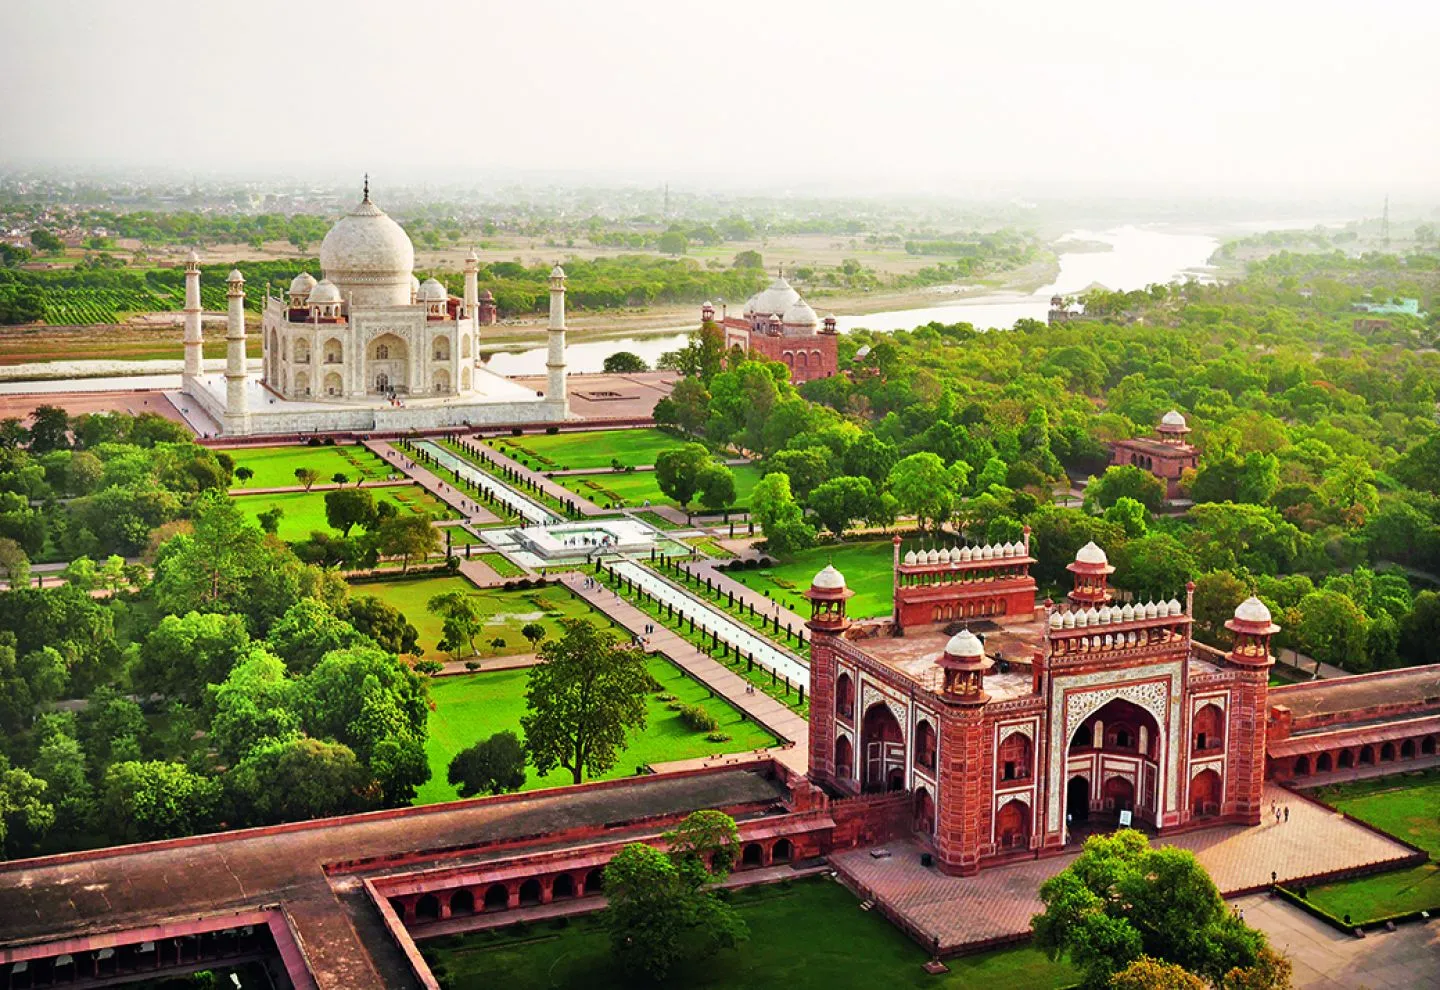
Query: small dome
1091, 554
1172, 418
863, 352
1105, 615
1127, 614
324, 292
1175, 607
1253, 609
472, 256
1057, 621
966, 554
235, 276
964, 644
909, 557
1109, 641
933, 557
193, 257
1082, 619
301, 284
945, 555
799, 314
1151, 610
432, 291
773, 300
557, 272
487, 296
1094, 615
829, 579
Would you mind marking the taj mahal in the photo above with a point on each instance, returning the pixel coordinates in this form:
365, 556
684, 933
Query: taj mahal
368, 346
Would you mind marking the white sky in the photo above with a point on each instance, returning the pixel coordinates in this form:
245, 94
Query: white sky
1209, 94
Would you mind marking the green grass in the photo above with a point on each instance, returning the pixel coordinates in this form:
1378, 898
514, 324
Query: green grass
578, 451
460, 536
471, 708
305, 511
634, 488
657, 520
275, 467
1406, 806
866, 566
709, 546
806, 935
542, 497
507, 611
501, 565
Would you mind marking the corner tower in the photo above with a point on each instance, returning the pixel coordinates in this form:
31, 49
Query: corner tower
828, 595
235, 398
194, 342
1250, 657
555, 391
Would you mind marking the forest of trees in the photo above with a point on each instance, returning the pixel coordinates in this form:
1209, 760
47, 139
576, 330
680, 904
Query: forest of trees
1318, 485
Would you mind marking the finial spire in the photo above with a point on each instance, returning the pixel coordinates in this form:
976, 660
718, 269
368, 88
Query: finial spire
367, 188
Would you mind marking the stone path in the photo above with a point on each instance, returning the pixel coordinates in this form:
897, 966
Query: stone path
488, 665
474, 512
705, 567
1327, 959
998, 902
328, 486
764, 709
554, 490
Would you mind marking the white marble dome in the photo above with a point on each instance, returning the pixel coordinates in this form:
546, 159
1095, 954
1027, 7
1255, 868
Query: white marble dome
432, 291
1172, 418
799, 314
301, 284
965, 644
323, 292
829, 579
369, 254
1091, 554
774, 299
1253, 609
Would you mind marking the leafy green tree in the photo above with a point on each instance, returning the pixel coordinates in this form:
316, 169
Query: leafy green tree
806, 468
1121, 900
1216, 595
779, 516
383, 623
307, 477
1129, 515
871, 457
293, 779
347, 508
243, 474
673, 242
1125, 481
677, 471
14, 563
49, 429
921, 484
184, 654
45, 241
624, 363
112, 727
1153, 564
25, 808
662, 906
582, 698
463, 619
1334, 630
534, 632
1420, 630
687, 406
1231, 536
307, 631
256, 703
716, 484
748, 259
839, 501
1152, 974
409, 538
491, 766
60, 763
142, 801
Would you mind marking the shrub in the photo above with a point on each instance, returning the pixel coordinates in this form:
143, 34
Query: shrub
665, 697
718, 737
552, 430
698, 719
676, 706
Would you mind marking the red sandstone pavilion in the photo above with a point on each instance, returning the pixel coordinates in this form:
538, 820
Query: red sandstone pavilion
1166, 458
973, 728
778, 325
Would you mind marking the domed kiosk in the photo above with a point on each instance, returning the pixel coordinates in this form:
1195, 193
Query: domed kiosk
368, 346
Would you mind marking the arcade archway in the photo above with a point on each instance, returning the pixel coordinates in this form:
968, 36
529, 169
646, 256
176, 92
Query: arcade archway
883, 744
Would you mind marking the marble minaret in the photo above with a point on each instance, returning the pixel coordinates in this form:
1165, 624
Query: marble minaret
194, 353
472, 286
235, 399
555, 392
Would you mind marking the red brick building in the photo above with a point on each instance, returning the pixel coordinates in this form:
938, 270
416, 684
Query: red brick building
1051, 721
778, 325
1166, 458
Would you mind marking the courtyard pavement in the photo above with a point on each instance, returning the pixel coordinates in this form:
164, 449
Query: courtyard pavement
999, 902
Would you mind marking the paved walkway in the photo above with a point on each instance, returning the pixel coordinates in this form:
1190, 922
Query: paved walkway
328, 486
1000, 901
488, 665
715, 675
474, 512
551, 488
1327, 959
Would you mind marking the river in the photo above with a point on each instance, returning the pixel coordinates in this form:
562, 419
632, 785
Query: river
1139, 256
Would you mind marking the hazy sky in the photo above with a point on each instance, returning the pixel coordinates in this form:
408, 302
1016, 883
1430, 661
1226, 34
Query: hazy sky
1197, 95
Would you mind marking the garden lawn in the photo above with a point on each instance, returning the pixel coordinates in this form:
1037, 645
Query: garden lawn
305, 511
804, 935
578, 451
866, 566
633, 488
1406, 806
472, 707
507, 611
274, 467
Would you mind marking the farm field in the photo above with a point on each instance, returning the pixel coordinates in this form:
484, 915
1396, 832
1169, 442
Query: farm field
1405, 806
472, 707
275, 467
305, 511
577, 451
507, 611
844, 947
634, 488
866, 566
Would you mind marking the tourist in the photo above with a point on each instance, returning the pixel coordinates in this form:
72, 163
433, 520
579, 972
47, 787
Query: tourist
1287, 812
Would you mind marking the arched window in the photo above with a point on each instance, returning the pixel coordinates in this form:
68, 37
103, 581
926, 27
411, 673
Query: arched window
781, 851
752, 855
925, 744
1012, 825
1387, 752
1407, 749
595, 881
1323, 763
462, 902
530, 892
440, 350
1209, 729
427, 908
1205, 794
844, 759
1014, 760
845, 696
497, 897
1302, 766
564, 886
382, 351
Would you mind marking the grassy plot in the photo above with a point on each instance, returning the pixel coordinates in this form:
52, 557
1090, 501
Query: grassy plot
305, 511
275, 467
507, 612
803, 935
1406, 806
866, 566
578, 451
474, 707
634, 488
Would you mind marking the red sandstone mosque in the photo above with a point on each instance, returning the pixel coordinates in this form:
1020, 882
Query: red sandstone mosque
973, 729
1166, 458
778, 325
